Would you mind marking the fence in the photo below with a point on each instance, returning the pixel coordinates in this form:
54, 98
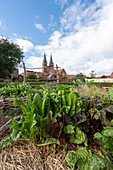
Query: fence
6, 104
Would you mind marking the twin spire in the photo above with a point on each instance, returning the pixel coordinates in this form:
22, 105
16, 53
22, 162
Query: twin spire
45, 61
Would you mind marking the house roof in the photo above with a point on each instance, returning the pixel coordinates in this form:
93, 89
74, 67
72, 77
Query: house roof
51, 75
45, 74
111, 76
71, 76
28, 71
60, 70
104, 76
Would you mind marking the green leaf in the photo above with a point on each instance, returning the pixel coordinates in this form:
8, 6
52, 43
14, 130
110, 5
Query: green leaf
37, 101
29, 99
73, 105
111, 94
32, 126
15, 135
24, 107
69, 129
108, 131
98, 162
39, 87
79, 138
5, 142
106, 142
71, 160
46, 105
50, 141
112, 122
68, 99
94, 112
81, 157
78, 109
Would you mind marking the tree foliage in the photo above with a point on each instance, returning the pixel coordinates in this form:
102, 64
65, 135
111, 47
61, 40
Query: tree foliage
92, 74
10, 56
80, 76
32, 76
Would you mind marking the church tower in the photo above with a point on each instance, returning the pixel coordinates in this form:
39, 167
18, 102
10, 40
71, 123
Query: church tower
44, 64
51, 64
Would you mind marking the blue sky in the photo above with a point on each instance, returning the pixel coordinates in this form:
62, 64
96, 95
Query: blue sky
78, 33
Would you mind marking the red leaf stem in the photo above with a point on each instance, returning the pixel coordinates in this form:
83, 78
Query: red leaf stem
55, 133
92, 116
61, 143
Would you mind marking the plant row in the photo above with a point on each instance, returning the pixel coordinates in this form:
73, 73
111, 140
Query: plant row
68, 122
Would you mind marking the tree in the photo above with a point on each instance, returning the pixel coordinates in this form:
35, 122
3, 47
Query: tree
10, 56
32, 76
92, 74
81, 77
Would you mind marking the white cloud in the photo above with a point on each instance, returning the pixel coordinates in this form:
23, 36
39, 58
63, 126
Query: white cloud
2, 37
61, 2
2, 25
86, 40
25, 45
40, 27
52, 23
36, 16
35, 62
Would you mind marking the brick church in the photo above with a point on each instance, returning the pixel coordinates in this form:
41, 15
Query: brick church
49, 71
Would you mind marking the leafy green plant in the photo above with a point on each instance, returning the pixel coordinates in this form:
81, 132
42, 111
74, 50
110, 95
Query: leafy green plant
33, 123
61, 117
106, 139
79, 137
84, 160
16, 90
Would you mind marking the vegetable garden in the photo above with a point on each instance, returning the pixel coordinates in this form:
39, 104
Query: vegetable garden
72, 125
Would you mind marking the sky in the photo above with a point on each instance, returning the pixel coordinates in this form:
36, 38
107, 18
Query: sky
78, 33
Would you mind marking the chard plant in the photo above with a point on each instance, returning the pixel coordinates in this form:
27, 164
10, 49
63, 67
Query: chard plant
33, 123
85, 160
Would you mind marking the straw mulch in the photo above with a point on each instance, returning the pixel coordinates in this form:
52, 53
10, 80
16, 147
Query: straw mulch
24, 155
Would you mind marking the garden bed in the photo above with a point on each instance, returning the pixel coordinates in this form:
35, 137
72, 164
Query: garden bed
62, 128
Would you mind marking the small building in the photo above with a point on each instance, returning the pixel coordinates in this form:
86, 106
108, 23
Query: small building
15, 74
28, 72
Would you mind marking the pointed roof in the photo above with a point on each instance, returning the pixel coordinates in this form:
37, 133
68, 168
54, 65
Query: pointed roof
51, 60
111, 76
44, 60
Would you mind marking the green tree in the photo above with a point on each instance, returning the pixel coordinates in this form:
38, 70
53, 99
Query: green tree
92, 74
10, 56
81, 77
32, 76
